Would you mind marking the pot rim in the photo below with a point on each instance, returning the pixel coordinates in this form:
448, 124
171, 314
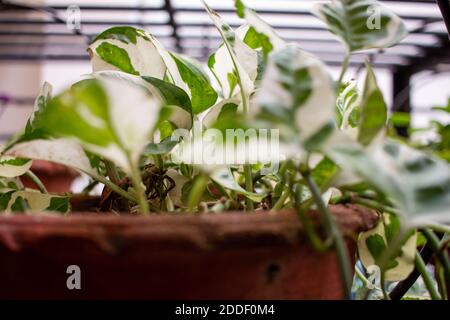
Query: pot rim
203, 231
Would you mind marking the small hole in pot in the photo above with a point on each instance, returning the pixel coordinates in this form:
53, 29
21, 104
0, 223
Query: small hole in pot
272, 271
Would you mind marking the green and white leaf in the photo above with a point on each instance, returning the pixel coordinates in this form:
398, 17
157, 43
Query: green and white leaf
109, 117
347, 106
11, 167
297, 96
361, 24
225, 178
416, 183
127, 49
32, 131
373, 244
170, 96
259, 35
32, 201
242, 58
63, 151
222, 66
189, 76
224, 109
373, 110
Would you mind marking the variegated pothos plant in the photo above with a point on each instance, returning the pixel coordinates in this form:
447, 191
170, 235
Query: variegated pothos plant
115, 125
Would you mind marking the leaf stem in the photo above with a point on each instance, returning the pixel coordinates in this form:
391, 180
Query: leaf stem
333, 230
248, 186
114, 187
197, 190
30, 174
279, 204
317, 243
344, 67
374, 205
140, 191
421, 267
442, 255
112, 172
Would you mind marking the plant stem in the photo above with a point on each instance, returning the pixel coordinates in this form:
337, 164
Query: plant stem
112, 172
158, 161
30, 174
439, 228
442, 255
335, 233
140, 191
248, 186
363, 278
344, 68
279, 204
197, 190
383, 286
421, 267
114, 187
374, 205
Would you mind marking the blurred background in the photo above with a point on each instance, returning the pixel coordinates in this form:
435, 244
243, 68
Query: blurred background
46, 40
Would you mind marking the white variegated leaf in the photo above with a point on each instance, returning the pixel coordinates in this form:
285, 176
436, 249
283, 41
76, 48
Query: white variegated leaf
261, 27
13, 166
33, 201
237, 53
223, 108
297, 94
223, 67
416, 183
129, 50
372, 245
225, 178
62, 151
110, 117
361, 24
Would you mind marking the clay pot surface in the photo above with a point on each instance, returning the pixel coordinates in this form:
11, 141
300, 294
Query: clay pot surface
213, 256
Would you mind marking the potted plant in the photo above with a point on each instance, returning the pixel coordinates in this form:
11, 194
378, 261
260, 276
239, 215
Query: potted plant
184, 214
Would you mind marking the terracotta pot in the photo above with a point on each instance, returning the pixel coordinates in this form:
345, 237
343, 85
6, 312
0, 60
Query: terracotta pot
214, 256
56, 178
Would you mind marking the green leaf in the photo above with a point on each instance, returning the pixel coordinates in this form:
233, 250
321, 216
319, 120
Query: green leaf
225, 178
59, 204
111, 117
163, 147
202, 93
373, 111
171, 94
240, 7
11, 167
324, 172
363, 24
127, 49
116, 56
